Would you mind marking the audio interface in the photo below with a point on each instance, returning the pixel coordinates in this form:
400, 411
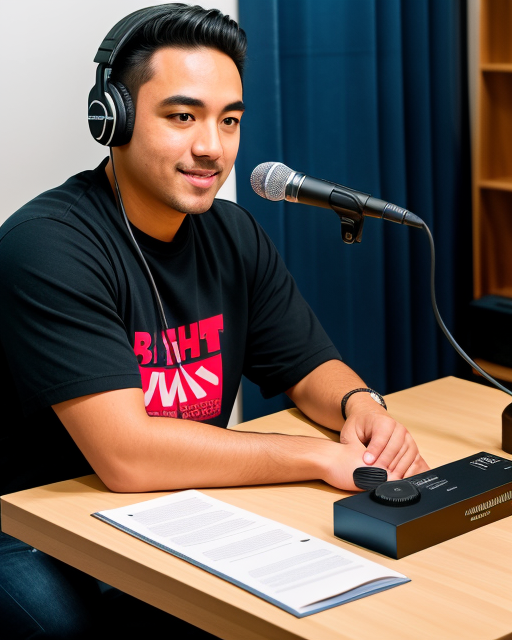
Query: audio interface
405, 516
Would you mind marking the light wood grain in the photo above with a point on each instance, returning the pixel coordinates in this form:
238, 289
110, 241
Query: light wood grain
459, 589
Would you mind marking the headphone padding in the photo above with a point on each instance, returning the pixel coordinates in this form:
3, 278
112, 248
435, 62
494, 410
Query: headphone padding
126, 114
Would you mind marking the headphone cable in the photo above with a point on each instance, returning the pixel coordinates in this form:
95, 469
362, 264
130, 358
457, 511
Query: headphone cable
121, 209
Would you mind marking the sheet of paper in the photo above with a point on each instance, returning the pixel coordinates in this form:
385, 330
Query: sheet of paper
291, 569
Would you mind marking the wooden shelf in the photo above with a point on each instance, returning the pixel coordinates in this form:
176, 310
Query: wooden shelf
497, 371
505, 292
501, 184
498, 67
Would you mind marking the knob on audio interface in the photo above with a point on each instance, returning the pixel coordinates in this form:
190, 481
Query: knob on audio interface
398, 493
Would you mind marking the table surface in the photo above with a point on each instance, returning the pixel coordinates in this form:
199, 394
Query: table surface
461, 588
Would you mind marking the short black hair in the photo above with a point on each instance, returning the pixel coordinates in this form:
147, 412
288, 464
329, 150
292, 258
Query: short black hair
184, 26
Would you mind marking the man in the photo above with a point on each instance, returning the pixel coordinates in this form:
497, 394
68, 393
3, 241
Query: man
124, 344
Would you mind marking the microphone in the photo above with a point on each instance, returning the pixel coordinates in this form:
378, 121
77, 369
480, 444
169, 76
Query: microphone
275, 181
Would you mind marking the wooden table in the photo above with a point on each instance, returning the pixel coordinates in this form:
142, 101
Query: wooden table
459, 589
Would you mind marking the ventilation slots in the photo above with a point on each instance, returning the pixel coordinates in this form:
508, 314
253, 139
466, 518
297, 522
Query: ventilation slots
490, 503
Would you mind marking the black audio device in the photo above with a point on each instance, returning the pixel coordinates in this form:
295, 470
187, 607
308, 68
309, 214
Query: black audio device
404, 516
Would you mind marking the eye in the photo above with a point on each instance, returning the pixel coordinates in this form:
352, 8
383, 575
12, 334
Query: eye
181, 117
231, 121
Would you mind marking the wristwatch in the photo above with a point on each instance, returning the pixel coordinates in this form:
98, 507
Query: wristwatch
373, 394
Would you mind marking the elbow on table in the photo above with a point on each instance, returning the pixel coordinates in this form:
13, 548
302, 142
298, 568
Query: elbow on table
127, 478
136, 475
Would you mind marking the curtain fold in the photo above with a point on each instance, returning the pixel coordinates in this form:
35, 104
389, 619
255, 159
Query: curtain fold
371, 94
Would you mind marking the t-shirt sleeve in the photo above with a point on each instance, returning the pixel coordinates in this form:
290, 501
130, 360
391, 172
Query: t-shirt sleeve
60, 327
285, 340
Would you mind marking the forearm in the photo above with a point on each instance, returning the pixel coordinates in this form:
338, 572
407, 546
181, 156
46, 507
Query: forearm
181, 454
142, 453
320, 393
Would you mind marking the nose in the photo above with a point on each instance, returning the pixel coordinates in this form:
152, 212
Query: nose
207, 143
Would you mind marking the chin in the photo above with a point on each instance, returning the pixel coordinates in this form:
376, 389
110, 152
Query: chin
192, 209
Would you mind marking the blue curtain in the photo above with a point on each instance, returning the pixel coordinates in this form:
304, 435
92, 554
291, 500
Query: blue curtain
371, 94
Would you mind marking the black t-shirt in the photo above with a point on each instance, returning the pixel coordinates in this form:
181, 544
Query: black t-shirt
78, 316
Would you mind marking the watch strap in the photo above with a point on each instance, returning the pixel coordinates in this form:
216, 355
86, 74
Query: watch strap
374, 394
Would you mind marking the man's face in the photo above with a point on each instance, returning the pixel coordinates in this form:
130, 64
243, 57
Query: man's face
186, 132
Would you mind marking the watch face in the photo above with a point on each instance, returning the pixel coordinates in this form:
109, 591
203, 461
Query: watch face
376, 398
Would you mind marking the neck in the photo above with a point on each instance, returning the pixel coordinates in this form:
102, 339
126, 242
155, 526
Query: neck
153, 219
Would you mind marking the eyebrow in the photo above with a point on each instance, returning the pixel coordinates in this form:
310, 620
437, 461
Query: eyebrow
187, 101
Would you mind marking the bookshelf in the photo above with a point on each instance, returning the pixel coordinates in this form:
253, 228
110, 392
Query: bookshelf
492, 166
492, 163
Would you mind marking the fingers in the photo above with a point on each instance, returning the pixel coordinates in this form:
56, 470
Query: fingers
409, 465
390, 445
380, 439
407, 458
400, 455
419, 465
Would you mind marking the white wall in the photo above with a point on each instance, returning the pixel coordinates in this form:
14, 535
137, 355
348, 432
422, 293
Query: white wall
47, 50
47, 69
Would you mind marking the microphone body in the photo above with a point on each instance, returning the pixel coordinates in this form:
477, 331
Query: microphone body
275, 181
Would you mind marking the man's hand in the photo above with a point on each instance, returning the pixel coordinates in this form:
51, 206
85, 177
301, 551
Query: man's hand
389, 444
339, 463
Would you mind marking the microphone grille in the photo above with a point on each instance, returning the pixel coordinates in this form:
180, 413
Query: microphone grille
269, 180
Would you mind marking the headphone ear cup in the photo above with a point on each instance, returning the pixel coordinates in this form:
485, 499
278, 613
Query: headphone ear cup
125, 114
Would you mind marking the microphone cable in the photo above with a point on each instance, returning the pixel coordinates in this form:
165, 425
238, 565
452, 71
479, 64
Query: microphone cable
442, 325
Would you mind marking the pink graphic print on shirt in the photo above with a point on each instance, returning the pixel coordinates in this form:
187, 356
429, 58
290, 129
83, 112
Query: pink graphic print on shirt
177, 382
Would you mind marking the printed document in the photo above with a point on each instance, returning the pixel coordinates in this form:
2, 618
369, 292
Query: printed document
282, 565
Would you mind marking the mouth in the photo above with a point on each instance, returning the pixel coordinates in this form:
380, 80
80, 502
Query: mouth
202, 178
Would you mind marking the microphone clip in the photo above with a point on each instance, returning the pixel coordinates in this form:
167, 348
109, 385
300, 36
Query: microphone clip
350, 212
351, 230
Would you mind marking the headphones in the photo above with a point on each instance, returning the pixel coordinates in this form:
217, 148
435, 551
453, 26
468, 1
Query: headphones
111, 109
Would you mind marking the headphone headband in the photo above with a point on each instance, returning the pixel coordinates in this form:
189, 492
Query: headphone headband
121, 32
